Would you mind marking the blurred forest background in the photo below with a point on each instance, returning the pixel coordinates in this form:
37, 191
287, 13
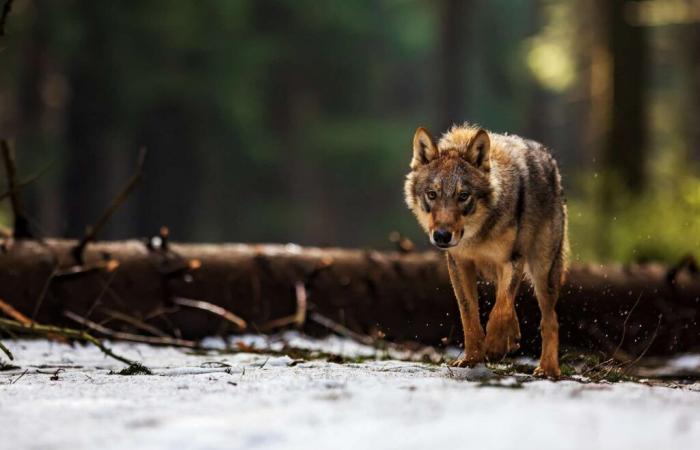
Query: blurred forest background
292, 120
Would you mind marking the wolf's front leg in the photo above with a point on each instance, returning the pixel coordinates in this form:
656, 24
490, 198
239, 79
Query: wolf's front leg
463, 278
503, 329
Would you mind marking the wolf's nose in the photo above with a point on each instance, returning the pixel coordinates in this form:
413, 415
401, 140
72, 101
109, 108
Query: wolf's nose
442, 237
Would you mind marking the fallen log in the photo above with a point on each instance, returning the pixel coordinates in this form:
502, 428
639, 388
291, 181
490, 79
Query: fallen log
397, 296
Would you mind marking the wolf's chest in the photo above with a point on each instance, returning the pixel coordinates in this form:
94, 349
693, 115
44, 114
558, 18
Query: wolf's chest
495, 250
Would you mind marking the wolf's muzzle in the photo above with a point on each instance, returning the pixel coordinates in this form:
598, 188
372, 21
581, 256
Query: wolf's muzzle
443, 238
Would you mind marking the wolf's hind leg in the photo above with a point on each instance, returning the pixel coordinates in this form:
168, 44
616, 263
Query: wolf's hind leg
503, 329
463, 278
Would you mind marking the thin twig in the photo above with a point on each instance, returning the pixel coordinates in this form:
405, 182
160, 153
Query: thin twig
299, 317
102, 293
29, 180
20, 376
91, 232
212, 308
81, 270
648, 346
5, 13
11, 312
133, 321
624, 325
70, 333
44, 291
611, 364
6, 351
21, 224
129, 336
160, 311
340, 329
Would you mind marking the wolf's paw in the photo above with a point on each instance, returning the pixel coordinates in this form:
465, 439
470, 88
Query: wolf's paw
502, 336
547, 371
467, 361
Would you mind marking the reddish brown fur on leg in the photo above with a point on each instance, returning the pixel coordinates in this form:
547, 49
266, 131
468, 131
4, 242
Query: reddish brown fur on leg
463, 277
503, 329
502, 332
549, 359
473, 345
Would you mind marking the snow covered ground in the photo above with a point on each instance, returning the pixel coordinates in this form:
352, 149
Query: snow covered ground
249, 400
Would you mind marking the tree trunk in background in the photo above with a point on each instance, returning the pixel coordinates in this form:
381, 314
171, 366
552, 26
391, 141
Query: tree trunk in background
625, 148
99, 155
170, 191
27, 126
38, 119
88, 123
594, 54
537, 110
617, 54
300, 180
452, 62
33, 53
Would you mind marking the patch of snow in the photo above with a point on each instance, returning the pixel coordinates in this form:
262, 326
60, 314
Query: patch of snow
329, 344
190, 371
685, 362
251, 400
477, 373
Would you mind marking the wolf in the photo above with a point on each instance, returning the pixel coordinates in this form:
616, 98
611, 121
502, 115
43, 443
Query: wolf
494, 204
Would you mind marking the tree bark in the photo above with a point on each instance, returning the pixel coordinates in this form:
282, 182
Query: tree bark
453, 32
626, 143
400, 296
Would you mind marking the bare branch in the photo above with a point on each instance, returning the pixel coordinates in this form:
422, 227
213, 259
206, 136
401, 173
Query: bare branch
134, 322
91, 232
340, 329
103, 291
298, 318
646, 349
29, 180
212, 308
44, 292
70, 333
10, 311
616, 353
129, 336
20, 376
6, 351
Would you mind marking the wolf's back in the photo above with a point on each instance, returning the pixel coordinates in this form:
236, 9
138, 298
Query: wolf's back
540, 201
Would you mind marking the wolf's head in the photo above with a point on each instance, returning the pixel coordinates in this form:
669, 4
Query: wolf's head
448, 188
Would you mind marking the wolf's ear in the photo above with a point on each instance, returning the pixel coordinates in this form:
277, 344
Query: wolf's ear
424, 150
478, 151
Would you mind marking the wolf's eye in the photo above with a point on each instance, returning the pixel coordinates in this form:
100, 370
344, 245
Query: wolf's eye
463, 197
432, 195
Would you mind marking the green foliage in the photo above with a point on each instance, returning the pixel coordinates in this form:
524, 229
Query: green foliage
568, 370
291, 120
300, 113
660, 224
550, 55
5, 217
